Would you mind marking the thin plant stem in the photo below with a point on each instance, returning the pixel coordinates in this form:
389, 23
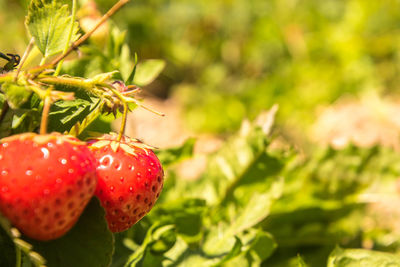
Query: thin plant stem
18, 257
125, 113
73, 17
45, 113
123, 123
24, 57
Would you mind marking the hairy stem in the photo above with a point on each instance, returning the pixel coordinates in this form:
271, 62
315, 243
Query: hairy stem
24, 57
67, 82
123, 123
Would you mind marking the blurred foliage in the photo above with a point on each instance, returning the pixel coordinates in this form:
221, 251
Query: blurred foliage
230, 59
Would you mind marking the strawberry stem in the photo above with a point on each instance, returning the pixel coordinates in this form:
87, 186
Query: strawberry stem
125, 113
123, 123
45, 113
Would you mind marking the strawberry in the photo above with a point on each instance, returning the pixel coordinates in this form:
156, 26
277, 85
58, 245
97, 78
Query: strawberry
130, 179
45, 182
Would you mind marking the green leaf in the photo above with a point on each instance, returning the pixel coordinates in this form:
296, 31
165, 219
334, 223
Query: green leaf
257, 209
350, 171
236, 249
181, 256
88, 243
186, 214
66, 114
257, 247
147, 71
7, 247
261, 246
301, 262
362, 257
133, 72
6, 124
174, 155
16, 95
25, 120
125, 62
148, 254
240, 161
49, 22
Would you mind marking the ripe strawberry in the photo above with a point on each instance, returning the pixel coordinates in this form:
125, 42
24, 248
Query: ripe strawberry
45, 182
130, 179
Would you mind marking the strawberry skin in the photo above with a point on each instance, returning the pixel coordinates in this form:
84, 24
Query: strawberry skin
45, 182
130, 179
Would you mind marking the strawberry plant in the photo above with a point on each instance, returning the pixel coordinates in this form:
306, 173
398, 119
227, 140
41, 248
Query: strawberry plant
49, 179
74, 194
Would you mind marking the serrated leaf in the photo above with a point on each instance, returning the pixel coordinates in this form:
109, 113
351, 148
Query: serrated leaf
49, 22
362, 257
145, 254
240, 160
16, 95
236, 249
256, 209
64, 115
147, 71
88, 243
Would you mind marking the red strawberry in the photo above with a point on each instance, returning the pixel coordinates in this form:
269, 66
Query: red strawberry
130, 179
45, 182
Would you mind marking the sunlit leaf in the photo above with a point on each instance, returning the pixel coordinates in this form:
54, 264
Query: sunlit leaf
49, 22
147, 254
16, 95
362, 257
147, 71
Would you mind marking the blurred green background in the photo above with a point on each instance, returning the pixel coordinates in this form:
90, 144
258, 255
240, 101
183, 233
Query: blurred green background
230, 59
